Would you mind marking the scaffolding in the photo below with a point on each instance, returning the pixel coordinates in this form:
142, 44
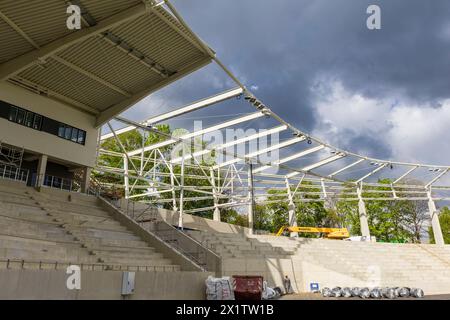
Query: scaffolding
11, 163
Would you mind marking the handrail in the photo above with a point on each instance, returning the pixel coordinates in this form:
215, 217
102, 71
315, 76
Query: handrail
206, 259
182, 234
171, 236
94, 266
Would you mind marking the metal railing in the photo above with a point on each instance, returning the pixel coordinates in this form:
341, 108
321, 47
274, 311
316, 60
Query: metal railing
13, 173
60, 183
55, 265
149, 219
202, 256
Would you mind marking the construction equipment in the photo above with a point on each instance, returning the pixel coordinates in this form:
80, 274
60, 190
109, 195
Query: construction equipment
330, 233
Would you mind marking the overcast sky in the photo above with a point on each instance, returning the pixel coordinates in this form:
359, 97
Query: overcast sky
384, 93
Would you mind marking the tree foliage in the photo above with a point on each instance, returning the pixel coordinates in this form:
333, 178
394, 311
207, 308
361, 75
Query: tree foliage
130, 141
390, 221
133, 140
274, 215
444, 219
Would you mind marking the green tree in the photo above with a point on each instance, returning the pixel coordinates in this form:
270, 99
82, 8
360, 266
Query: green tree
388, 220
194, 178
444, 220
111, 156
309, 210
230, 215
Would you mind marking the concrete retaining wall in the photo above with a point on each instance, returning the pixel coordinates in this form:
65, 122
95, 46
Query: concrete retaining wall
95, 285
189, 221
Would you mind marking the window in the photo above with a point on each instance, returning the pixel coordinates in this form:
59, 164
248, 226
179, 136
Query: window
20, 116
13, 114
61, 130
29, 119
74, 135
81, 136
68, 133
41, 123
37, 123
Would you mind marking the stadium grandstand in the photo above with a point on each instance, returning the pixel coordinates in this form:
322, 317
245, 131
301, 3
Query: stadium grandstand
72, 193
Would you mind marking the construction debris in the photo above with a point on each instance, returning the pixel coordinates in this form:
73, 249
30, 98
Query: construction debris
268, 292
374, 293
219, 288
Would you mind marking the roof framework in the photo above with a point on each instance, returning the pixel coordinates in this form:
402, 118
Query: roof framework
242, 179
334, 154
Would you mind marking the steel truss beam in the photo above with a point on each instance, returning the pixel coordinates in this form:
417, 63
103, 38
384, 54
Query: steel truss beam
262, 151
317, 164
289, 158
191, 135
233, 143
182, 110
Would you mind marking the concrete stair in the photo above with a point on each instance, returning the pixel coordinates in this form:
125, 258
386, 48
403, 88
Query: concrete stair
40, 230
386, 264
332, 262
235, 245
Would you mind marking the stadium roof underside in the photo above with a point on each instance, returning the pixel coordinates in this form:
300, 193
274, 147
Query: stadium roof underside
125, 50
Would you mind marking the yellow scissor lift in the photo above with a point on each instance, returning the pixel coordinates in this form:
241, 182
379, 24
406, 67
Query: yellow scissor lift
330, 233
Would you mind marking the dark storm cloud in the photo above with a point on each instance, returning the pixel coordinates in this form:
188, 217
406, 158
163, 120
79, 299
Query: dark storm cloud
286, 46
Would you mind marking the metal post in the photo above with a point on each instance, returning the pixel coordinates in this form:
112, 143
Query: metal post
364, 225
437, 231
172, 183
216, 215
126, 179
180, 217
251, 197
291, 207
142, 154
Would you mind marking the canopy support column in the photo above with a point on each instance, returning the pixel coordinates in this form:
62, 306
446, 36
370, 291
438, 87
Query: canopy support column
436, 226
85, 184
364, 225
126, 179
216, 214
180, 216
42, 168
291, 208
251, 197
172, 183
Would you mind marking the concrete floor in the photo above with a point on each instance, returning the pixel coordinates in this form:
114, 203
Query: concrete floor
318, 296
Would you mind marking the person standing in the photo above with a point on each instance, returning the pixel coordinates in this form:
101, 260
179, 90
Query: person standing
287, 285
